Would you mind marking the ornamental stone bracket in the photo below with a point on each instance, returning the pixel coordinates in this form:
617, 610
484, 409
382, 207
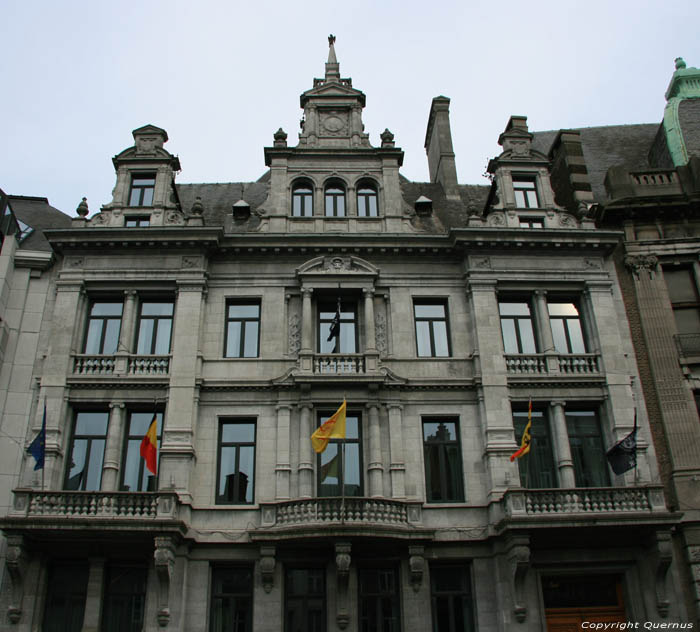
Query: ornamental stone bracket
693, 553
641, 263
663, 555
342, 562
164, 557
518, 556
16, 564
267, 567
416, 565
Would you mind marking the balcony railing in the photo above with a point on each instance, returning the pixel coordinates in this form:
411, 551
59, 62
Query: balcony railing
654, 178
590, 500
95, 505
336, 511
688, 345
335, 363
97, 365
568, 364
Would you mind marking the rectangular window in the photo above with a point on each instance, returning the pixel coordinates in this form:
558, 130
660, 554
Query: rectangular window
87, 450
346, 339
566, 327
525, 190
104, 324
341, 462
531, 222
231, 600
136, 477
537, 467
65, 599
452, 600
155, 328
432, 337
683, 292
443, 460
587, 452
242, 329
236, 462
516, 327
124, 599
142, 187
379, 600
304, 600
137, 221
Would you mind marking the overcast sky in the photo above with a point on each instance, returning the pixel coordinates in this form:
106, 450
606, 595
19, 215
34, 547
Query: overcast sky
222, 77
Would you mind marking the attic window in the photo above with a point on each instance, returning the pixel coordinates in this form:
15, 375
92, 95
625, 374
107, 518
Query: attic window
142, 187
24, 230
525, 190
137, 221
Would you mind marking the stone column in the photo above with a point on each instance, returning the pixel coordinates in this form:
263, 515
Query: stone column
126, 335
370, 338
306, 465
113, 447
307, 324
562, 448
375, 467
92, 620
397, 467
282, 469
544, 327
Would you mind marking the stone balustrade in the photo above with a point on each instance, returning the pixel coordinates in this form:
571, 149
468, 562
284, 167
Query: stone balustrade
688, 345
568, 364
334, 363
585, 363
148, 365
132, 365
527, 364
93, 365
654, 178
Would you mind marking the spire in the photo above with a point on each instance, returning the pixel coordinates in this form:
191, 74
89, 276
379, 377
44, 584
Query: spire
332, 65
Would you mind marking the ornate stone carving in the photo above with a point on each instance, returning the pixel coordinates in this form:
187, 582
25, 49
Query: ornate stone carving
567, 220
82, 209
164, 557
639, 263
342, 563
174, 218
664, 556
497, 219
416, 564
518, 555
267, 567
191, 262
337, 264
98, 220
294, 334
380, 333
15, 562
483, 263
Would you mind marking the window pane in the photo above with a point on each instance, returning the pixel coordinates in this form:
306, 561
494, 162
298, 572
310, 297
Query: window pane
440, 338
562, 309
233, 340
340, 205
687, 320
111, 340
106, 309
559, 335
243, 311
157, 309
296, 205
77, 464
145, 336
352, 470
227, 472
94, 468
163, 337
439, 431
527, 336
147, 197
590, 466
429, 311
238, 433
510, 341
575, 336
532, 199
347, 337
520, 199
329, 206
681, 285
246, 473
65, 601
132, 465
423, 337
92, 344
514, 309
372, 206
250, 348
135, 197
91, 423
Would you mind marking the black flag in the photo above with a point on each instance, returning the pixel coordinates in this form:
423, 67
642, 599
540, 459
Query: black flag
623, 455
335, 325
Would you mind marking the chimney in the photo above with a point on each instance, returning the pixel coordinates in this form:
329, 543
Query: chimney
438, 146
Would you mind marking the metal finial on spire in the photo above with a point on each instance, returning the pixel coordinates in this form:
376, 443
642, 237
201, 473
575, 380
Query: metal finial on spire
332, 67
331, 39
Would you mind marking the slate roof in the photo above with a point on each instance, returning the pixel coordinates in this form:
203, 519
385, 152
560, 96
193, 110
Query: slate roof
219, 198
40, 215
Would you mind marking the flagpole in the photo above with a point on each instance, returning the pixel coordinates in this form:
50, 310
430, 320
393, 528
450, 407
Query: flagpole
342, 463
634, 429
43, 422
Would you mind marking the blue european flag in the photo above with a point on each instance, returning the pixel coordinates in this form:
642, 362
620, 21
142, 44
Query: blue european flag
37, 448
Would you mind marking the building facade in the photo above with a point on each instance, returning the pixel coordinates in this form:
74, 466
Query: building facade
240, 316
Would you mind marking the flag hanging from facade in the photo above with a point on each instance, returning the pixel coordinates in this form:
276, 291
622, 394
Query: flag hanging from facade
149, 445
332, 428
526, 438
335, 325
623, 455
37, 448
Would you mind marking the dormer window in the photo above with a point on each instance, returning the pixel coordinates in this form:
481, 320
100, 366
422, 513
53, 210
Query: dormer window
531, 222
366, 200
302, 200
335, 200
137, 221
142, 187
525, 190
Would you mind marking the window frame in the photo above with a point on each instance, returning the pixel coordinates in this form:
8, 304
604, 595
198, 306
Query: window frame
541, 446
244, 324
232, 597
682, 304
529, 222
109, 598
333, 192
137, 221
135, 439
342, 456
530, 318
306, 200
443, 462
306, 597
583, 474
142, 189
443, 302
77, 597
575, 302
87, 462
363, 199
380, 598
522, 179
158, 319
348, 315
220, 498
464, 594
103, 327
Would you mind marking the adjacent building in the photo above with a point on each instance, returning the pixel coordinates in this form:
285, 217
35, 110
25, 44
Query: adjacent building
449, 317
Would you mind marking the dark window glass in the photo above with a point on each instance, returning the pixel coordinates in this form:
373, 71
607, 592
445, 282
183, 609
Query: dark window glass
432, 339
142, 187
537, 466
231, 600
65, 599
136, 477
137, 222
443, 461
125, 599
155, 328
302, 200
341, 464
335, 201
525, 191
379, 600
452, 601
366, 201
516, 327
582, 591
587, 452
531, 222
104, 324
87, 451
304, 600
242, 329
236, 463
683, 292
346, 341
566, 328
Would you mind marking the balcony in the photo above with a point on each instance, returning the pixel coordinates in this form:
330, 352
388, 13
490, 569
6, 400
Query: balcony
621, 183
688, 345
552, 364
121, 365
335, 363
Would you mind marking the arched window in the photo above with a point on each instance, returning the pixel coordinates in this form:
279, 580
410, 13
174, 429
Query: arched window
302, 200
366, 200
335, 199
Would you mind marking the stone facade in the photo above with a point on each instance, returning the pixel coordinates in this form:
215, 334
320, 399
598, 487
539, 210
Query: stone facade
461, 312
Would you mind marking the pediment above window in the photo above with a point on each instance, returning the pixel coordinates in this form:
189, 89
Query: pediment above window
337, 266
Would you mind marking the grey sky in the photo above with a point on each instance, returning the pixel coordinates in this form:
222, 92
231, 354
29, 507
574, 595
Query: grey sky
222, 77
